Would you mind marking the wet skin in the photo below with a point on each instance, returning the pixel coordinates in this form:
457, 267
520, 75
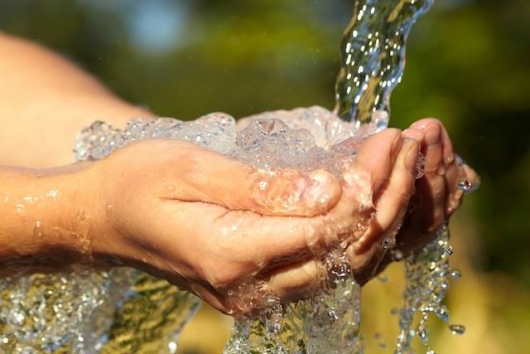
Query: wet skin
180, 219
191, 215
196, 217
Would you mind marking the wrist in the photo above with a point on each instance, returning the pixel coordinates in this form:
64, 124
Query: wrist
49, 217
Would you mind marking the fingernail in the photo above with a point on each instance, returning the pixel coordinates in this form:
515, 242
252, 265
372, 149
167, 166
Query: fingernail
433, 136
411, 157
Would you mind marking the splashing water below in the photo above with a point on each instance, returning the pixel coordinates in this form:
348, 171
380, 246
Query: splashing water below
128, 311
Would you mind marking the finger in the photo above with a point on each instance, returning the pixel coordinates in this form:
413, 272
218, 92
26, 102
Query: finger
273, 239
472, 177
209, 177
224, 246
432, 191
373, 164
447, 146
390, 207
294, 281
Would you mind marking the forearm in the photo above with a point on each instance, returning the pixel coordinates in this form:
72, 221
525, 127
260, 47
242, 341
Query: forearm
45, 101
47, 218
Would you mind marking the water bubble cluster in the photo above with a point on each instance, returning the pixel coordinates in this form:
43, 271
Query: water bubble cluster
305, 139
327, 322
127, 310
427, 280
90, 312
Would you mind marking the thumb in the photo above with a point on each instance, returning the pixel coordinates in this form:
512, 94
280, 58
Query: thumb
207, 176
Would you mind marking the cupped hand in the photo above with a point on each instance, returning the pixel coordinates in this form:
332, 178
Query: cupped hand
209, 223
440, 191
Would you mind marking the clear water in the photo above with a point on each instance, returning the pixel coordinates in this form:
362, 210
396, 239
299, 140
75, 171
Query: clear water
128, 311
123, 311
428, 276
373, 57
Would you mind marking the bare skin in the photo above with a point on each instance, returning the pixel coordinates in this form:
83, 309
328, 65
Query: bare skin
159, 205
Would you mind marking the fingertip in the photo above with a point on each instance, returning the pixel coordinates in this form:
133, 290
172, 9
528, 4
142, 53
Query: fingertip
323, 193
424, 122
435, 134
415, 134
472, 176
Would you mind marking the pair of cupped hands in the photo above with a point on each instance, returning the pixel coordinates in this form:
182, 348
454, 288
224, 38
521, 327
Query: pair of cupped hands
201, 220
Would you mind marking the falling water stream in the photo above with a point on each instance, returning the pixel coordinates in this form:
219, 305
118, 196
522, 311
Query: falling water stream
127, 311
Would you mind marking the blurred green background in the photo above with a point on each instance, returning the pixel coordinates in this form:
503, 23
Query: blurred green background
468, 65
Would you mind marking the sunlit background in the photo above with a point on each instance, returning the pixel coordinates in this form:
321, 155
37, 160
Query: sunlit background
468, 65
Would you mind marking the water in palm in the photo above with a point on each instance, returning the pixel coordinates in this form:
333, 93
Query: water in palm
128, 311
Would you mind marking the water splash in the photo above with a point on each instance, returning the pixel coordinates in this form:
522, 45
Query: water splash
38, 313
427, 276
91, 312
327, 322
373, 58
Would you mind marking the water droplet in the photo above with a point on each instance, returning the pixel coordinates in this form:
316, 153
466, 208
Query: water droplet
456, 274
448, 250
81, 215
423, 334
442, 313
262, 185
464, 185
37, 230
457, 329
382, 278
389, 241
397, 255
172, 346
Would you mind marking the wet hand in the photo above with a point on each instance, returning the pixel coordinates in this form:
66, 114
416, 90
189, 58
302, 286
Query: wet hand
440, 191
209, 223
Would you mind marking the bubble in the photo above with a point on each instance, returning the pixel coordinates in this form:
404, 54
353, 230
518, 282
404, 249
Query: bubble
456, 274
109, 208
397, 255
464, 185
448, 250
457, 329
172, 346
37, 230
389, 241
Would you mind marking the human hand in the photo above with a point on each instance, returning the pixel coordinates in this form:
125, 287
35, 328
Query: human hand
200, 220
439, 192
